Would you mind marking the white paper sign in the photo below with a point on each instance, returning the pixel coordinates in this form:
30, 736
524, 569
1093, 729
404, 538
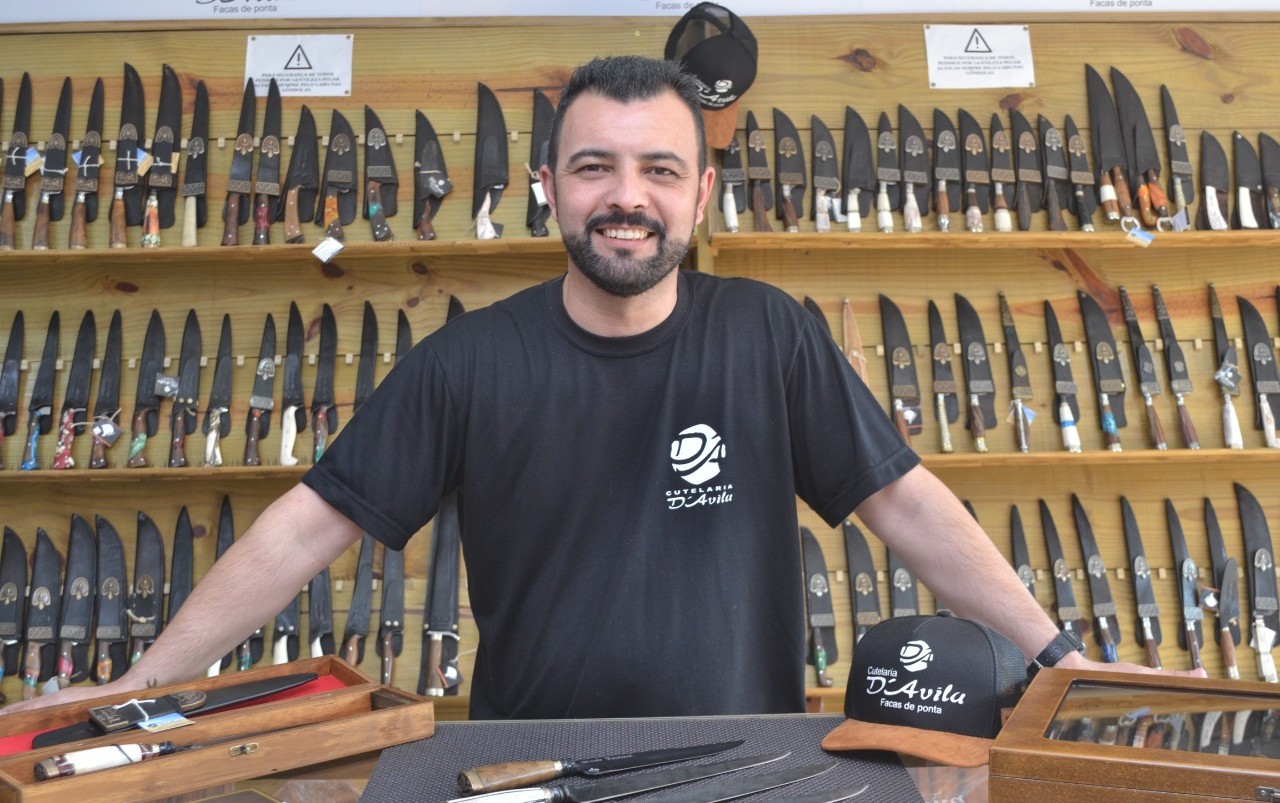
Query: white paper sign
303, 66
975, 56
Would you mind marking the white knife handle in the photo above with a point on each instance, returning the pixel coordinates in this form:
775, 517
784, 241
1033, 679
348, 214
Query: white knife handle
212, 447
189, 230
288, 434
884, 215
1244, 205
1213, 210
730, 209
1070, 434
280, 650
944, 428
853, 214
1263, 640
1004, 220
214, 669
1268, 422
821, 210
1231, 423
911, 219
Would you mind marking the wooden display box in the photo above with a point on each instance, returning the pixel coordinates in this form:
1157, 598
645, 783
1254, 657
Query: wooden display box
1043, 752
249, 742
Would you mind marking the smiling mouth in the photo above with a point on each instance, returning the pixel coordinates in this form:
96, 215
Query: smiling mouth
625, 234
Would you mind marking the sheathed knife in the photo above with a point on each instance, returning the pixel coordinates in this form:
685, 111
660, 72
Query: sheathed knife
1260, 573
1003, 177
1144, 367
1214, 184
1144, 162
1019, 378
148, 588
266, 184
1228, 374
904, 595
888, 174
490, 163
293, 419
261, 399
759, 177
1109, 151
13, 602
9, 380
235, 211
1027, 196
53, 171
320, 615
820, 614
900, 363
946, 169
357, 627
75, 402
977, 171
40, 406
1021, 555
1084, 198
297, 202
915, 170
126, 203
1263, 372
1070, 617
88, 160
111, 633
162, 186
181, 564
1148, 611
75, 627
1225, 573
146, 409
1066, 408
106, 408
43, 609
380, 178
979, 385
324, 413
13, 204
859, 175
1176, 364
391, 622
1190, 636
540, 143
217, 418
1269, 149
1057, 178
1106, 627
183, 416
1248, 173
368, 356
431, 182
862, 586
826, 177
338, 207
1108, 376
733, 181
195, 204
946, 408
1181, 173
789, 171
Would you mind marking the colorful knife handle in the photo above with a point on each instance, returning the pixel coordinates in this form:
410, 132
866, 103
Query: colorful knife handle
66, 663
972, 212
1159, 201
231, 220
105, 666
1106, 641
977, 425
119, 237
944, 429
1153, 424
759, 207
819, 653
942, 205
1004, 221
1146, 212
288, 434
728, 207
292, 225
6, 222
262, 219
912, 220
78, 236
1273, 206
66, 433
31, 670
190, 218
377, 214
138, 443
31, 456
1110, 433
1070, 433
151, 222
40, 232
1189, 435
332, 217
320, 428
244, 655
1150, 645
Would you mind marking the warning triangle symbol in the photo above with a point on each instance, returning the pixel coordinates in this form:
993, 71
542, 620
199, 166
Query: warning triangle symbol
298, 60
976, 43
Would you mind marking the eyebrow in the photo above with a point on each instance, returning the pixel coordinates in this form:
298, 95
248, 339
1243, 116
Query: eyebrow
648, 156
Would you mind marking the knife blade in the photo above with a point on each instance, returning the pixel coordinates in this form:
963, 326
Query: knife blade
1144, 367
9, 379
946, 169
161, 178
539, 145
297, 202
1228, 374
490, 163
821, 618
106, 408
13, 601
235, 210
53, 171
261, 400
324, 413
946, 408
111, 631
760, 199
1261, 577
320, 615
1176, 364
182, 418
1248, 174
194, 203
859, 175
13, 203
852, 340
1213, 179
75, 401
40, 406
733, 788
217, 421
294, 418
1109, 151
432, 177
357, 627
146, 409
1027, 196
1106, 627
977, 171
1270, 152
1021, 555
145, 621
266, 184
1228, 610
1003, 177
1057, 191
1229, 618
88, 160
181, 564
826, 179
1263, 372
126, 202
863, 588
1181, 174
338, 208
900, 364
1084, 198
43, 609
1190, 638
391, 618
368, 356
1108, 376
1149, 635
733, 179
789, 171
915, 170
1019, 378
380, 179
1070, 617
1144, 160
888, 174
979, 385
904, 596
439, 674
78, 587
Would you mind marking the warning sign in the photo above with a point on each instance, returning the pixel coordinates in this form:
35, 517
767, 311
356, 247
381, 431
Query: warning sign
302, 66
972, 57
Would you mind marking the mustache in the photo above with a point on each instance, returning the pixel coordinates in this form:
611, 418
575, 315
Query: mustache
619, 218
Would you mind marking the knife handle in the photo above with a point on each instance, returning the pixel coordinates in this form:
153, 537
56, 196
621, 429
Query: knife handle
332, 216
1149, 644
1110, 433
1022, 200
1107, 196
884, 209
1244, 208
1262, 642
852, 210
759, 208
1193, 645
6, 222
912, 220
105, 664
292, 226
1145, 210
1082, 211
151, 222
900, 421
320, 428
31, 670
1159, 201
98, 452
280, 649
351, 649
819, 653
377, 215
1067, 422
1234, 439
425, 230
231, 220
434, 685
1228, 647
244, 655
944, 430
66, 663
512, 775
40, 234
972, 212
251, 457
728, 207
66, 432
1054, 205
788, 212
1268, 422
387, 653
288, 434
1124, 196
177, 444
977, 424
1213, 209
942, 206
1021, 426
138, 442
31, 455
821, 210
119, 237
1106, 641
262, 219
190, 230
1154, 426
213, 444
1004, 222
77, 239
1273, 206
1189, 435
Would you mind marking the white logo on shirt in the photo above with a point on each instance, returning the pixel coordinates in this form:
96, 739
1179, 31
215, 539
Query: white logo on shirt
696, 454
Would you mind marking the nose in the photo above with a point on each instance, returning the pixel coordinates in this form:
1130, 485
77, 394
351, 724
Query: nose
628, 191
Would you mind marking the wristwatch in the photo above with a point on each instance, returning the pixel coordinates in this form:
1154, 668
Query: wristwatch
1062, 645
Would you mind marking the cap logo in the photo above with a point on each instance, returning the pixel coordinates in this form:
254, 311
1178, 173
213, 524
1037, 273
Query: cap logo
915, 655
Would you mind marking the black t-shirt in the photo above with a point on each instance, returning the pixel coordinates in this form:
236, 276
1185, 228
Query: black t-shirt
627, 504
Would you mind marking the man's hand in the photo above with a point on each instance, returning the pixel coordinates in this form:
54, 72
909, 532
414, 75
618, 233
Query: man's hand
70, 694
1077, 661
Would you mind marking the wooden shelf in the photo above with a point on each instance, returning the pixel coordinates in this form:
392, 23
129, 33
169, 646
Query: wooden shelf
1234, 460
1109, 239
283, 475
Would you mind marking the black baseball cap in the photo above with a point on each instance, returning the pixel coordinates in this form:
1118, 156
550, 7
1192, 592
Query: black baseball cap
934, 687
717, 48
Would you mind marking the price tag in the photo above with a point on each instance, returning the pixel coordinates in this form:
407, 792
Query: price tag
327, 249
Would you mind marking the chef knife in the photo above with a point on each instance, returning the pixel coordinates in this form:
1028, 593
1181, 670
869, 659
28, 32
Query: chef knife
1144, 367
900, 363
1019, 378
859, 175
946, 408
760, 178
40, 405
1057, 178
1263, 372
826, 179
235, 212
432, 177
43, 609
1027, 195
165, 145
261, 400
1190, 637
491, 176
1176, 364
1248, 174
946, 169
53, 171
1181, 173
380, 179
146, 408
1148, 611
977, 172
144, 611
1003, 177
338, 208
75, 626
1106, 627
195, 171
126, 203
820, 614
183, 416
1066, 407
13, 203
789, 171
298, 196
88, 160
1228, 374
110, 633
539, 145
1084, 198
266, 184
915, 170
217, 418
1108, 376
75, 402
888, 174
979, 385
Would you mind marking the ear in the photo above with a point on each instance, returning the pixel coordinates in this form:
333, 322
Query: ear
549, 189
705, 182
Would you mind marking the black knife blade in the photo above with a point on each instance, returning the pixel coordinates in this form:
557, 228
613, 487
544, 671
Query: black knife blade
13, 601
1181, 173
183, 416
977, 171
733, 180
391, 619
235, 211
357, 627
217, 419
1070, 617
759, 176
1269, 150
862, 586
1228, 374
859, 174
14, 199
368, 356
432, 177
261, 399
106, 408
1144, 367
162, 186
293, 419
900, 362
1106, 627
43, 610
490, 163
904, 596
1084, 198
145, 622
1148, 611
1190, 637
1066, 406
111, 632
324, 413
439, 673
146, 409
1229, 618
1248, 174
826, 177
40, 406
789, 171
1057, 178
320, 615
1027, 195
979, 384
888, 174
1019, 378
380, 179
9, 372
1021, 555
946, 169
1176, 364
266, 184
1003, 177
88, 160
195, 170
946, 408
126, 203
1215, 184
1109, 151
75, 401
181, 564
78, 591
1261, 576
1263, 372
915, 170
1108, 376
539, 144
53, 171
821, 618
297, 202
338, 207
1144, 162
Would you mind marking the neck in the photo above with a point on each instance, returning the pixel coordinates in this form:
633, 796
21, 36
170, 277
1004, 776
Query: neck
607, 315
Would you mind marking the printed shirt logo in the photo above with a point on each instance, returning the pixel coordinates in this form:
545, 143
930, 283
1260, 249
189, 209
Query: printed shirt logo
696, 454
915, 655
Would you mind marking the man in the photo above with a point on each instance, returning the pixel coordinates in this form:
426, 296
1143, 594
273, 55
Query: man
627, 443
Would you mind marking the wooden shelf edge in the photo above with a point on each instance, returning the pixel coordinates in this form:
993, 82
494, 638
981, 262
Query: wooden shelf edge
1135, 459
282, 474
724, 242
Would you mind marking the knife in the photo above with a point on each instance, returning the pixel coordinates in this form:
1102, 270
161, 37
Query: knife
324, 413
1228, 375
826, 179
946, 169
391, 618
904, 597
368, 356
1108, 377
266, 185
490, 164
1190, 638
13, 204
1263, 373
1228, 609
339, 206
298, 196
1229, 618
13, 601
760, 199
1248, 174
1084, 199
78, 588
977, 172
945, 406
1109, 159
1106, 627
1176, 364
126, 204
789, 172
979, 385
1066, 407
9, 380
900, 364
110, 632
1181, 174
865, 595
1261, 576
194, 203
250, 650
1144, 367
733, 179
43, 608
148, 588
285, 647
294, 418
1019, 378
161, 178
1144, 159
496, 777
235, 211
182, 418
40, 407
380, 179
859, 176
357, 627
1070, 617
106, 408
888, 174
539, 144
1003, 177
1148, 611
53, 171
915, 170
84, 209
261, 400
75, 402
217, 421
146, 410
1213, 179
1021, 555
1026, 194
852, 340
1270, 151
1057, 178
820, 615
734, 788
432, 182
181, 564
320, 615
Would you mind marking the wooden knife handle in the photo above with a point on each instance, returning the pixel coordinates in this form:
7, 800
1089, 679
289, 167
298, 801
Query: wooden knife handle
512, 775
231, 220
119, 237
151, 222
98, 453
1107, 196
977, 425
262, 219
434, 684
31, 670
1159, 201
942, 205
66, 663
177, 444
1149, 644
788, 212
78, 237
425, 230
138, 441
332, 217
1189, 435
1154, 426
1193, 646
1124, 196
292, 226
104, 664
1228, 646
758, 207
378, 215
351, 650
387, 653
1054, 206
66, 432
40, 233
190, 218
1145, 211
6, 222
251, 456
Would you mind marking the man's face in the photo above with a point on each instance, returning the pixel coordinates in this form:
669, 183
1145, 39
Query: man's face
626, 192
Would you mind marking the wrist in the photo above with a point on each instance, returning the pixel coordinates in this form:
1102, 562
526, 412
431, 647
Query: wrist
1064, 649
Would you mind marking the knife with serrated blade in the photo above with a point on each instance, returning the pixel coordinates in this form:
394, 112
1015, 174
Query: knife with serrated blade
1070, 617
859, 176
110, 633
1263, 372
261, 400
235, 211
106, 408
819, 613
324, 413
1084, 199
1144, 161
826, 179
946, 407
1181, 173
915, 170
293, 419
1215, 184
1108, 376
431, 182
9, 379
380, 179
1176, 364
1106, 627
1148, 611
146, 408
733, 180
888, 174
789, 172
75, 402
297, 201
266, 184
1144, 367
1027, 198
53, 171
13, 602
1019, 378
43, 609
904, 596
900, 363
1228, 609
1003, 177
13, 203
195, 171
539, 146
979, 384
1228, 374
1248, 174
760, 178
977, 171
1057, 190
126, 202
862, 586
946, 169
217, 418
183, 416
1261, 577
1021, 555
40, 406
78, 592
144, 612
1109, 151
361, 607
1190, 636
88, 160
490, 163
162, 177
338, 207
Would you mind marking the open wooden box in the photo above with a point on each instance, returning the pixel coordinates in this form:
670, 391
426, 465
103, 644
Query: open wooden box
1071, 737
359, 716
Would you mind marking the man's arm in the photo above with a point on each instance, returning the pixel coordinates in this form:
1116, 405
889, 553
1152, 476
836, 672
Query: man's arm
294, 538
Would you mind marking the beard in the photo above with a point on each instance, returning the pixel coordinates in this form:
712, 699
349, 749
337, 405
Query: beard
621, 274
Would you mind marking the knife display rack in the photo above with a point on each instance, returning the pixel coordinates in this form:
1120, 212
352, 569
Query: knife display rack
1218, 67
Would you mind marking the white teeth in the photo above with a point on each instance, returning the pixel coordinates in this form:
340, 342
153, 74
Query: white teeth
626, 234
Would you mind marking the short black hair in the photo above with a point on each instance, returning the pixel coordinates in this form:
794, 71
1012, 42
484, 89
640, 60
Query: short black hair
626, 79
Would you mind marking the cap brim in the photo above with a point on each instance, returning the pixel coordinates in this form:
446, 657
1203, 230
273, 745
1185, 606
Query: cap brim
940, 747
721, 125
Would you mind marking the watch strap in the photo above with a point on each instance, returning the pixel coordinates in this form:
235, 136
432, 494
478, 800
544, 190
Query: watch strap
1060, 647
